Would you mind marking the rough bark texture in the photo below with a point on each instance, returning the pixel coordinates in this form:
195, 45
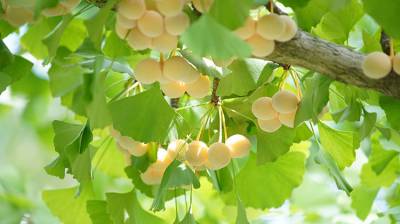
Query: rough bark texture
337, 62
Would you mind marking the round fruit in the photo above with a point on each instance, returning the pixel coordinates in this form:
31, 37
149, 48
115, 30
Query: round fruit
377, 65
262, 109
178, 69
114, 133
151, 24
164, 157
269, 125
138, 149
17, 16
247, 30
271, 26
124, 22
197, 153
174, 89
70, 4
202, 5
396, 64
154, 173
239, 146
176, 147
57, 10
287, 119
120, 31
290, 29
165, 43
132, 9
137, 40
176, 25
219, 156
260, 46
199, 88
285, 102
170, 7
126, 142
148, 71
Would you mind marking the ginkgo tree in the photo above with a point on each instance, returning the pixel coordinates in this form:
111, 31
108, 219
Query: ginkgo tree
241, 95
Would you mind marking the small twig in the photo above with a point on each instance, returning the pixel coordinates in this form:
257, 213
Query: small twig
215, 99
274, 8
174, 102
385, 42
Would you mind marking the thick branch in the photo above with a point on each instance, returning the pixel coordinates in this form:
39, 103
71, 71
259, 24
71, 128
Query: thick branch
337, 62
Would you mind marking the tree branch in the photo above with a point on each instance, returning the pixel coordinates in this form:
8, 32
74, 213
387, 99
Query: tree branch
337, 62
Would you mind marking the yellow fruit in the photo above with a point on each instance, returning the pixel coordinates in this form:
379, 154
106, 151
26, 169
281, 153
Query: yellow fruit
154, 173
132, 9
114, 133
165, 43
377, 65
177, 147
148, 71
126, 142
57, 10
138, 149
151, 24
219, 156
285, 102
137, 40
17, 15
287, 119
290, 29
202, 5
262, 109
164, 157
247, 30
70, 4
199, 88
178, 69
170, 7
239, 146
396, 64
120, 31
197, 153
271, 26
260, 46
174, 89
124, 22
176, 25
269, 125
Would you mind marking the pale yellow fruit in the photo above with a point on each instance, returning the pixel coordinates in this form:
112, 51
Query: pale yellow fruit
17, 16
176, 25
377, 65
262, 109
396, 64
124, 22
164, 157
154, 173
290, 29
165, 43
132, 9
269, 125
239, 146
247, 30
202, 5
287, 119
120, 31
219, 156
137, 40
148, 71
126, 142
151, 24
164, 80
174, 89
151, 5
127, 157
271, 26
223, 63
261, 47
114, 133
285, 102
197, 153
177, 147
170, 7
70, 4
178, 69
199, 88
57, 10
138, 149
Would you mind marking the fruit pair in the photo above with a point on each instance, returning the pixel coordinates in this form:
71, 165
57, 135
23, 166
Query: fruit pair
129, 145
272, 113
260, 34
62, 8
377, 65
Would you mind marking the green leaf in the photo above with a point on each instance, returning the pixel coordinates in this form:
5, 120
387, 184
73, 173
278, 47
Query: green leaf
188, 219
391, 107
294, 3
52, 40
115, 47
137, 115
271, 183
385, 12
67, 205
368, 124
271, 146
235, 16
97, 211
311, 14
110, 160
243, 79
97, 110
241, 217
384, 179
77, 29
339, 144
362, 199
14, 71
211, 44
315, 98
379, 157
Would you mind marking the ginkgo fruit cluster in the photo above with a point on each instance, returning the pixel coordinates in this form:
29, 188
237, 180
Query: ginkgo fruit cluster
272, 113
151, 24
176, 76
261, 34
377, 65
62, 8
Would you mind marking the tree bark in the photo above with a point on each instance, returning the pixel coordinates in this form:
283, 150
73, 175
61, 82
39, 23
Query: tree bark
336, 61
